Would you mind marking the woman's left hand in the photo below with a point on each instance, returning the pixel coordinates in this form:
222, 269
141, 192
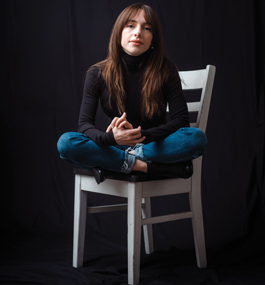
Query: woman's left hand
119, 123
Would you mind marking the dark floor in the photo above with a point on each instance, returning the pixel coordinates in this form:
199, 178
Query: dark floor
46, 259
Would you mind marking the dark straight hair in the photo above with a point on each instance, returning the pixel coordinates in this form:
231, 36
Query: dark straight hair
157, 67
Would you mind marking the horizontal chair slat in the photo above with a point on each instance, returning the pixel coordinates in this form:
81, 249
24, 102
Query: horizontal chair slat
167, 218
107, 208
192, 79
194, 106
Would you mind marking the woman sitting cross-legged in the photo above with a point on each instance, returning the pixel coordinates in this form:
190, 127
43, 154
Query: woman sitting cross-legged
134, 84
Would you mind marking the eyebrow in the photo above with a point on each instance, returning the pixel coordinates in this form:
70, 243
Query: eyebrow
145, 23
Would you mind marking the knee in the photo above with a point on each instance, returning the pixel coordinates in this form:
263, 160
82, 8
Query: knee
196, 138
199, 139
65, 145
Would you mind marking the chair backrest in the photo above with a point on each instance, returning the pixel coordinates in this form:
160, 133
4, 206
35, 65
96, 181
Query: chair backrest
199, 79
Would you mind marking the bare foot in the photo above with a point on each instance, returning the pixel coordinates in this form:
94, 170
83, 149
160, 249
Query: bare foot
140, 165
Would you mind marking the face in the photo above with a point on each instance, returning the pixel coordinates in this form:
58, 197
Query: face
137, 36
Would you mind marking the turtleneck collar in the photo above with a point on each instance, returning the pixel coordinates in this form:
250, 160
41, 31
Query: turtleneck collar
133, 62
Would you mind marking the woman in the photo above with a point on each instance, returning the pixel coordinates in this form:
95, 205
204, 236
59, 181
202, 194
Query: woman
134, 85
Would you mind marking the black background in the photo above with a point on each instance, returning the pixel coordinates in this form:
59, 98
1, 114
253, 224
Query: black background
46, 47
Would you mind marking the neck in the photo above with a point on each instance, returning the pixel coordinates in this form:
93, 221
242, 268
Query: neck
133, 62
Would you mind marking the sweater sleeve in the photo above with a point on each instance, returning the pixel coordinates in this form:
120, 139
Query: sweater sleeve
91, 96
178, 112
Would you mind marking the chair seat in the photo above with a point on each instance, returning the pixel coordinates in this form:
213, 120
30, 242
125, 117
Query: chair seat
132, 177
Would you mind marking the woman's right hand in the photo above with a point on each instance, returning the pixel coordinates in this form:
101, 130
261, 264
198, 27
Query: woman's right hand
128, 137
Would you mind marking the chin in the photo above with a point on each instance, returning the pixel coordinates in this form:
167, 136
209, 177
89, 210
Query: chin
136, 53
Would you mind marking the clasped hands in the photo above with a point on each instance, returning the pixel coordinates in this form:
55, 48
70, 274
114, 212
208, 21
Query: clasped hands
124, 133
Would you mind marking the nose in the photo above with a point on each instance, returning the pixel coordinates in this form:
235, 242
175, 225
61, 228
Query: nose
137, 31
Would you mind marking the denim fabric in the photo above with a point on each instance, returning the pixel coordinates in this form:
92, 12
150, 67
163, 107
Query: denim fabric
84, 152
128, 162
185, 144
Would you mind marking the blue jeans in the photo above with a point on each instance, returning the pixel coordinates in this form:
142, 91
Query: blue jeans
184, 144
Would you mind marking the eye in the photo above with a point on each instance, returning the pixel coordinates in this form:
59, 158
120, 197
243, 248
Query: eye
147, 28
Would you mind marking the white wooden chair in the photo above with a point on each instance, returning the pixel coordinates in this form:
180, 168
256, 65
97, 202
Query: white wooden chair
139, 189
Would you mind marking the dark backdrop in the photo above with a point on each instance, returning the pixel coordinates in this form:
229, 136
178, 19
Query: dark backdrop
46, 48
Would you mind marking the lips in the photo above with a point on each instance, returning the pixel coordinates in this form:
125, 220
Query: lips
136, 42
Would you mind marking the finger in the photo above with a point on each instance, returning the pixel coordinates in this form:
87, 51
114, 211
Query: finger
134, 133
121, 119
136, 139
109, 128
113, 123
140, 140
126, 125
122, 124
134, 142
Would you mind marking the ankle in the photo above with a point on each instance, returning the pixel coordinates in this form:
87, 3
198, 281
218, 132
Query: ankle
140, 166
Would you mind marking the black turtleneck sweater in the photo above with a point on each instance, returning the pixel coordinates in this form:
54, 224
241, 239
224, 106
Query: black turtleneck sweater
158, 128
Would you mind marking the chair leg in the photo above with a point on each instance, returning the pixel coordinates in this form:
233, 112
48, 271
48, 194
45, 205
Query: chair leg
80, 212
197, 220
134, 231
147, 229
